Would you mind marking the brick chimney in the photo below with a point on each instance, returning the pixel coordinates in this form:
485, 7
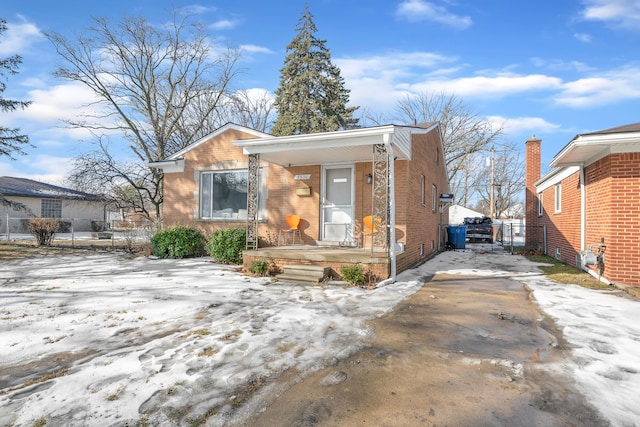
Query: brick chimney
532, 174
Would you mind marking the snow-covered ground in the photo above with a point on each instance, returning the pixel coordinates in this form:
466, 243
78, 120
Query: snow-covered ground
167, 342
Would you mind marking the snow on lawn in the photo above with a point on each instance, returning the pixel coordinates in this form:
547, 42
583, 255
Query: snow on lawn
161, 341
173, 342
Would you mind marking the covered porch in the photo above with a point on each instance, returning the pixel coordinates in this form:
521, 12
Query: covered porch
331, 151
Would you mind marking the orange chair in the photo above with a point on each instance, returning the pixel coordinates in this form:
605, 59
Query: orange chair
370, 228
292, 221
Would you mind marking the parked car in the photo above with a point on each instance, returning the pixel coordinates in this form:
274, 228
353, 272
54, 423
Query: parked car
479, 229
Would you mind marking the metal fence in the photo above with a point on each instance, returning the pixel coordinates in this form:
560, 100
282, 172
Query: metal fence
76, 229
528, 237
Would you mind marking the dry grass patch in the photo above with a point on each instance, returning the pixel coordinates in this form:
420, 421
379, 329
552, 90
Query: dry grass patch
566, 274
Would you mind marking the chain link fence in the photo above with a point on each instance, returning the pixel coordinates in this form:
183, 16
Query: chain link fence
77, 230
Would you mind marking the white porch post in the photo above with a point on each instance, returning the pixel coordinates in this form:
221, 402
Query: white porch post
392, 208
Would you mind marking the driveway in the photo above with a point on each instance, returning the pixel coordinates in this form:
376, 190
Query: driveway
462, 351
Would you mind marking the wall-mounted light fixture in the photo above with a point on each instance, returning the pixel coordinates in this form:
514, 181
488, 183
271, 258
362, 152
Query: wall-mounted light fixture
369, 179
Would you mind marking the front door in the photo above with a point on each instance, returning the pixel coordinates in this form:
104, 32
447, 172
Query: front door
337, 204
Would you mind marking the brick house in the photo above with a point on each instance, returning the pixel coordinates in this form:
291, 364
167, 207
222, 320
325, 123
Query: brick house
237, 177
590, 201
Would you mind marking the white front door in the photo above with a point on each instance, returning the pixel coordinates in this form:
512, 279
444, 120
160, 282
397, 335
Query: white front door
337, 204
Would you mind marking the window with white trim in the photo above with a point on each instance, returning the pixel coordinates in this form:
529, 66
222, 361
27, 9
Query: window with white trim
558, 198
223, 194
434, 198
423, 190
51, 208
540, 211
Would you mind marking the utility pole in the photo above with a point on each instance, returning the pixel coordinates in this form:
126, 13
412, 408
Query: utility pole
491, 202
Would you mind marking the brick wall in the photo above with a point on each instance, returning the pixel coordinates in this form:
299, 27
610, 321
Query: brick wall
422, 221
622, 257
563, 227
532, 174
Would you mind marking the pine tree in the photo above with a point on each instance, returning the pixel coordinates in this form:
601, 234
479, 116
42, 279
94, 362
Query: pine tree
311, 97
11, 141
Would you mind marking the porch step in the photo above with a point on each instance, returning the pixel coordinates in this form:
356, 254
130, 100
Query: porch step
303, 274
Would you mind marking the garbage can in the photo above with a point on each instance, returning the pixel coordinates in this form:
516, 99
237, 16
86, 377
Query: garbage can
457, 236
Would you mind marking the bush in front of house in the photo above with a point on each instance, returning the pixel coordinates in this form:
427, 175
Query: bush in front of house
44, 229
259, 267
226, 245
178, 242
353, 274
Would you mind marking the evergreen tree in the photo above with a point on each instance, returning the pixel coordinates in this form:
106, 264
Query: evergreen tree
311, 97
11, 141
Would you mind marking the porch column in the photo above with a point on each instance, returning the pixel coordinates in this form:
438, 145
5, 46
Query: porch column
380, 202
253, 181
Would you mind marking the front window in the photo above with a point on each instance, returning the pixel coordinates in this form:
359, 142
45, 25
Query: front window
223, 194
51, 208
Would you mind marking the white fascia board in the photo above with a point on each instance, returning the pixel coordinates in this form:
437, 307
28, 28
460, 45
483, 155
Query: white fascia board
555, 177
168, 166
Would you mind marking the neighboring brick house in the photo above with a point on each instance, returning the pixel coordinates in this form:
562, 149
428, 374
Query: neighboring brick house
331, 180
590, 200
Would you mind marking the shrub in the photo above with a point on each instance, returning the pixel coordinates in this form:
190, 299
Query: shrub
177, 242
259, 267
44, 229
353, 274
226, 245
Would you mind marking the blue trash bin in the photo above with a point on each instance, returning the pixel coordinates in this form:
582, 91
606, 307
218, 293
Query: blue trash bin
457, 236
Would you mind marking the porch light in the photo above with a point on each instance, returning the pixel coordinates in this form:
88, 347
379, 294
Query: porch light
369, 179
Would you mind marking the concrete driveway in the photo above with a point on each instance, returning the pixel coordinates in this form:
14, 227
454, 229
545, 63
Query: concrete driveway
462, 351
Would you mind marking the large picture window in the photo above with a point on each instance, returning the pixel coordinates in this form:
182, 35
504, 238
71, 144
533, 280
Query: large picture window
223, 194
51, 208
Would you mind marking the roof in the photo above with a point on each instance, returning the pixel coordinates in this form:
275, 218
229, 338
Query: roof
222, 129
589, 147
23, 187
351, 145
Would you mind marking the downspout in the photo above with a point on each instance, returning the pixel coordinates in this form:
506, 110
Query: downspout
392, 207
583, 210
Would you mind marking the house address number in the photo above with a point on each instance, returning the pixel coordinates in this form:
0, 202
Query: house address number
302, 177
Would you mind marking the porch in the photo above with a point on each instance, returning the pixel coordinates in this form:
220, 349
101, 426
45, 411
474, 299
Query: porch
375, 262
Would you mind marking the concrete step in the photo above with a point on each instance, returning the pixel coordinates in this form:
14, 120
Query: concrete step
303, 273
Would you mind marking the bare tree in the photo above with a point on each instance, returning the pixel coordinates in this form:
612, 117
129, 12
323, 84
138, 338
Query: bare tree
158, 90
253, 108
464, 134
508, 179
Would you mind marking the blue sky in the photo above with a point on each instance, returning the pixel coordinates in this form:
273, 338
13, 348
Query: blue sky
550, 68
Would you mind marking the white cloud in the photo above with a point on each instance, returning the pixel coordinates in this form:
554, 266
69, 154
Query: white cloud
606, 88
44, 168
252, 48
224, 24
19, 37
420, 10
623, 14
584, 38
491, 85
519, 125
